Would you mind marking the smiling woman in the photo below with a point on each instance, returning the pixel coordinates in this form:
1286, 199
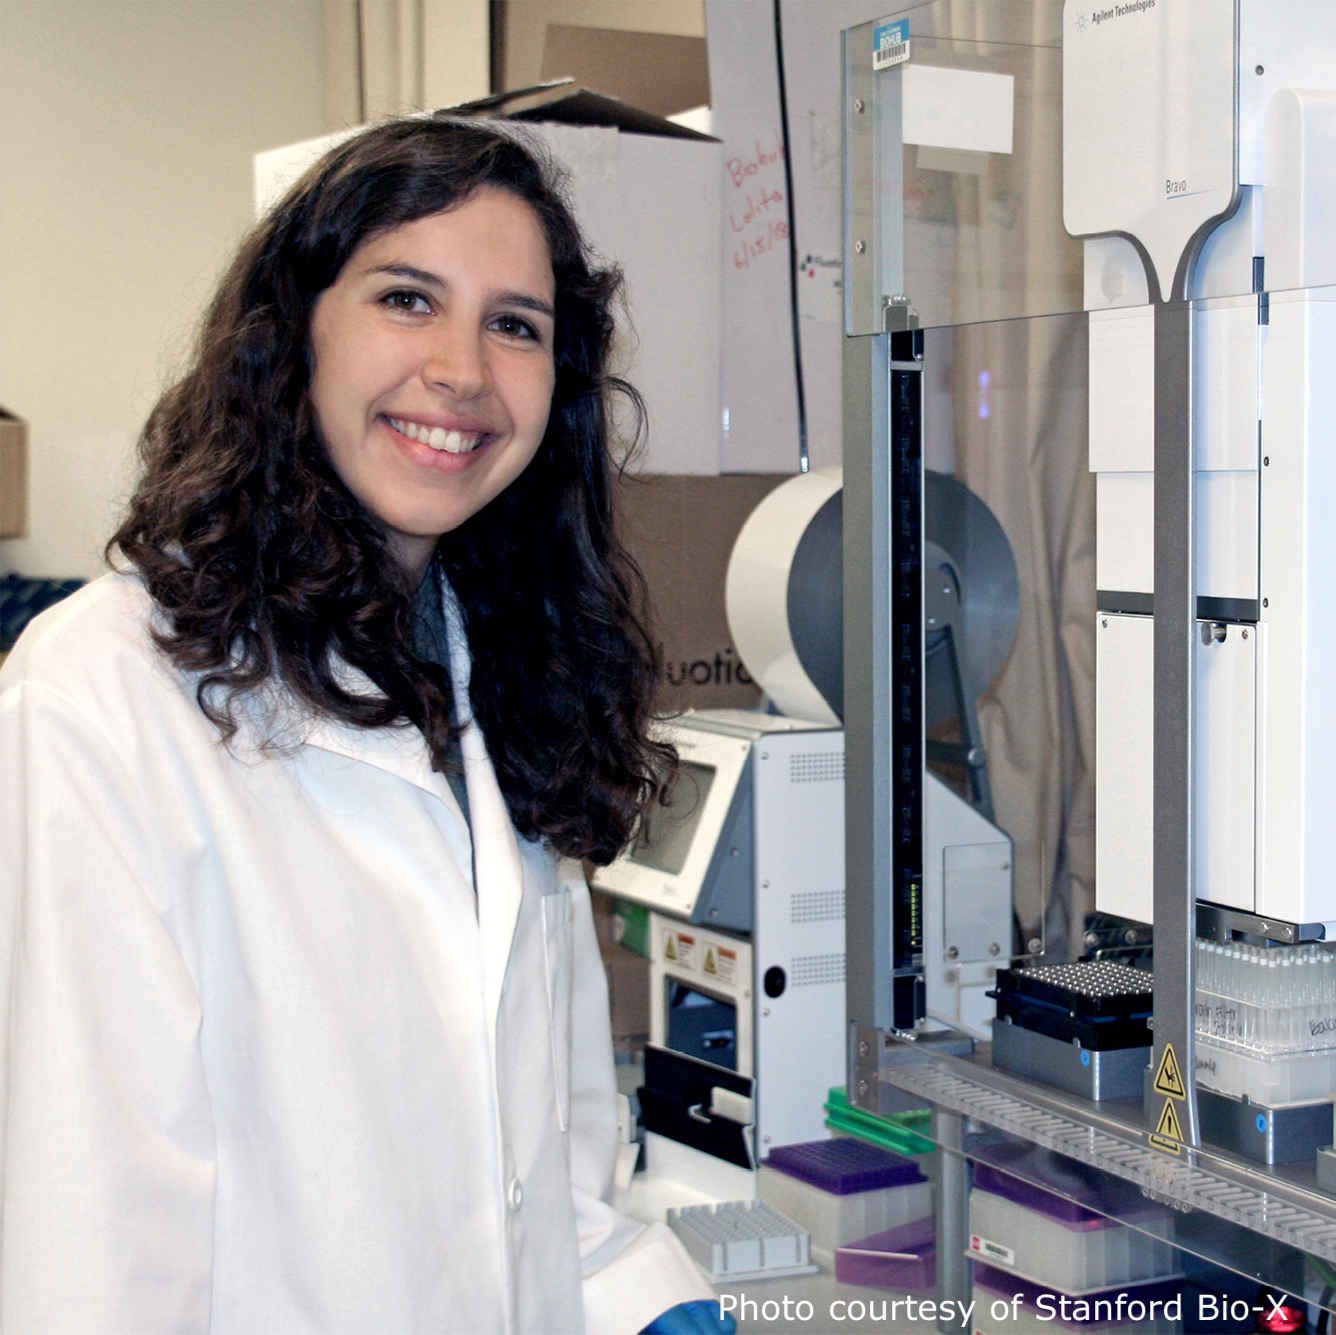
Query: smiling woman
303, 1021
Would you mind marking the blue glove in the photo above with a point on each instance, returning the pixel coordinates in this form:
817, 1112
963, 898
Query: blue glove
699, 1317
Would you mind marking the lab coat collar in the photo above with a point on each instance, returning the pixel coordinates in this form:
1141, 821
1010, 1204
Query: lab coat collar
400, 750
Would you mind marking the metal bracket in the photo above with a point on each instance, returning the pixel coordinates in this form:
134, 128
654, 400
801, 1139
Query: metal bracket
873, 1053
1215, 922
898, 315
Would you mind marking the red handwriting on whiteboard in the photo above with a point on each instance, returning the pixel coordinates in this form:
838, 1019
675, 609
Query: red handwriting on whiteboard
740, 169
761, 244
757, 204
756, 217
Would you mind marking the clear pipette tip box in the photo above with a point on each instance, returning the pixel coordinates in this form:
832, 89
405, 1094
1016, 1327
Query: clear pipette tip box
742, 1240
1273, 1082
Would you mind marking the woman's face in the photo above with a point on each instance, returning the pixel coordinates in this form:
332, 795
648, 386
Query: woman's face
434, 367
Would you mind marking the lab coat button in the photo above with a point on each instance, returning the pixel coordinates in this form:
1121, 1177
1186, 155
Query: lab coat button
516, 1194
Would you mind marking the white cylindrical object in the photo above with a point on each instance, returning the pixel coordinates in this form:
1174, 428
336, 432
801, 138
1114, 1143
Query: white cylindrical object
756, 593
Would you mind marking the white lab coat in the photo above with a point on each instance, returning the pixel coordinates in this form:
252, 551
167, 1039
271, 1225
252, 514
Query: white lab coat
271, 1066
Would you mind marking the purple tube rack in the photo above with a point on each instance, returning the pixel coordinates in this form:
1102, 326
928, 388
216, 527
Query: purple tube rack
844, 1166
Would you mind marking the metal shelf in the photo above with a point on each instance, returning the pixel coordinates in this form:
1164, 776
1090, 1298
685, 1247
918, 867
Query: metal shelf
1198, 1180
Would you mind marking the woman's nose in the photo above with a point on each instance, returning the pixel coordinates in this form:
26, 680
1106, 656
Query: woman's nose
457, 365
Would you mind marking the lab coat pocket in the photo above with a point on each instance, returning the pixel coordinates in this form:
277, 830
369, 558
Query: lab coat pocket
557, 956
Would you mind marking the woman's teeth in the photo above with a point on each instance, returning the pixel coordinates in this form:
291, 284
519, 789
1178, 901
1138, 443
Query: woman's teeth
437, 437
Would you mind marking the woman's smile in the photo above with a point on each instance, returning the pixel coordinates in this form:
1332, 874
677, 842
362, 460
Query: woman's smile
451, 439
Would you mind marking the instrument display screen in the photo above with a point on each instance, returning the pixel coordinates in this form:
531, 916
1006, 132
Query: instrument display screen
672, 828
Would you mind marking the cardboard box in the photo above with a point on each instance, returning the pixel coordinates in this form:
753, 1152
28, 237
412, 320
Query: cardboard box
628, 998
664, 73
603, 907
680, 531
13, 475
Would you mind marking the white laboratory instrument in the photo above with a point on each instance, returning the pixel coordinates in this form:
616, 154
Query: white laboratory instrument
1191, 158
745, 877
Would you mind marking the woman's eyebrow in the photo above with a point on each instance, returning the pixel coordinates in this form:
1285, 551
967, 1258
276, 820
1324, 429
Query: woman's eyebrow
423, 276
527, 303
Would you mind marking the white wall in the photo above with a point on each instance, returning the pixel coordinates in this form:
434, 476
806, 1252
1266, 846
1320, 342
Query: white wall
127, 129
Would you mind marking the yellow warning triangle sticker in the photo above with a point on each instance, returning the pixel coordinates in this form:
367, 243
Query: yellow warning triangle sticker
1168, 1130
669, 949
1169, 1125
1169, 1078
709, 960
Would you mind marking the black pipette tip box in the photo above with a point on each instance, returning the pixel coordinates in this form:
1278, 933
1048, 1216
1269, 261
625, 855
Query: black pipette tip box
1101, 1004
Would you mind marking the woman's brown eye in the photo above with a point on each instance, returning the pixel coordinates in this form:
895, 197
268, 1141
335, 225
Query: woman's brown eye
514, 327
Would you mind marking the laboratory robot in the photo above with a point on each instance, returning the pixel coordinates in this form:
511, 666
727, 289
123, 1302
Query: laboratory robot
1192, 181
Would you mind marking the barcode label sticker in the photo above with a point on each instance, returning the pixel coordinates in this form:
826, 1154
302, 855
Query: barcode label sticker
890, 45
992, 1251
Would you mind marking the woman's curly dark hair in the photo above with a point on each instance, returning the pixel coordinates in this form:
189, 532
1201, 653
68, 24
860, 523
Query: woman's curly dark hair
268, 570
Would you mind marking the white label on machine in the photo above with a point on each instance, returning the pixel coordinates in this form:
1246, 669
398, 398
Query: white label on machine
971, 110
721, 963
993, 1251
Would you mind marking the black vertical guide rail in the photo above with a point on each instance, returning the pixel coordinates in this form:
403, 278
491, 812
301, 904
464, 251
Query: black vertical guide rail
908, 1002
794, 322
